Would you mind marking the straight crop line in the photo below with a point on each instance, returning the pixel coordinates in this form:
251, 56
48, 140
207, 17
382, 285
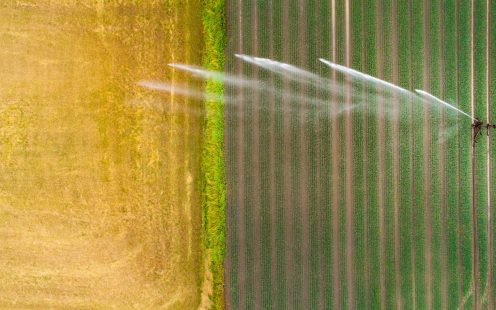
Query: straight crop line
490, 238
490, 220
320, 188
335, 176
272, 156
427, 158
349, 142
396, 157
459, 220
256, 172
442, 164
381, 155
475, 259
365, 170
241, 242
412, 152
295, 215
228, 262
287, 175
304, 162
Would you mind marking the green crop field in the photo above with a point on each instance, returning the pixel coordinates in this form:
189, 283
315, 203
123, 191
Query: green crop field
361, 209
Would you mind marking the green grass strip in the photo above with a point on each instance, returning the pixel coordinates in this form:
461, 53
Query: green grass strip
214, 188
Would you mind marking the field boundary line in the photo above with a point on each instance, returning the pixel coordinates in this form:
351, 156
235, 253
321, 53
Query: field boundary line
256, 170
241, 242
304, 164
490, 203
381, 131
335, 177
365, 169
459, 207
475, 257
412, 162
442, 167
349, 191
427, 152
396, 156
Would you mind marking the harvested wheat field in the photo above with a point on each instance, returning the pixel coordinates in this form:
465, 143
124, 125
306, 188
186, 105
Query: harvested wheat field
99, 178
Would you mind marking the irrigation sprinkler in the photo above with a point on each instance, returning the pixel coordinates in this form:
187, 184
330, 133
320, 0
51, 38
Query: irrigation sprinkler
303, 76
478, 126
477, 131
357, 88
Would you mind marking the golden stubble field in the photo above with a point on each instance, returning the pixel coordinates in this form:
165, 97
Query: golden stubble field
99, 178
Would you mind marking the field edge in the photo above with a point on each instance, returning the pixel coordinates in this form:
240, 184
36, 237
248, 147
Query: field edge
213, 173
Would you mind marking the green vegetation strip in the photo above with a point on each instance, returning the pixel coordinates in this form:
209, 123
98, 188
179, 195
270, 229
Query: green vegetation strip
214, 189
